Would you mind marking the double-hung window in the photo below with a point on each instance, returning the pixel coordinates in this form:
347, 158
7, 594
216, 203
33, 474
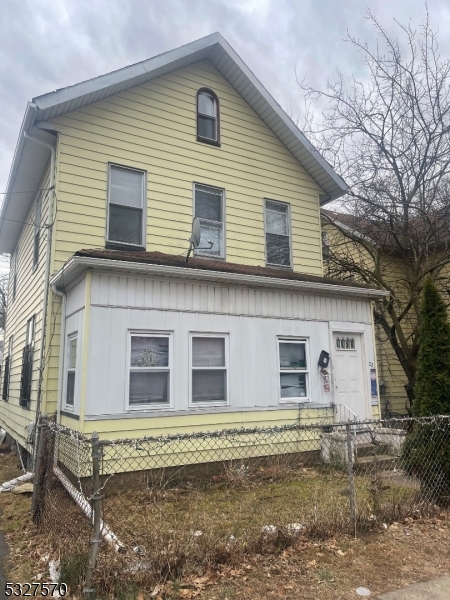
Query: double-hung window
37, 229
126, 206
207, 117
278, 235
27, 365
209, 208
293, 365
71, 369
7, 370
150, 370
209, 370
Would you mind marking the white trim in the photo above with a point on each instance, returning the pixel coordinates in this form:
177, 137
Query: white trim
289, 227
112, 165
149, 333
226, 337
299, 399
344, 327
76, 264
69, 338
223, 251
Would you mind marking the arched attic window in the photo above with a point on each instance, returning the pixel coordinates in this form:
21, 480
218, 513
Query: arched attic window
208, 117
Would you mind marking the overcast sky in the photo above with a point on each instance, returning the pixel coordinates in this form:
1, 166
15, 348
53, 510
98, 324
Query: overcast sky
49, 44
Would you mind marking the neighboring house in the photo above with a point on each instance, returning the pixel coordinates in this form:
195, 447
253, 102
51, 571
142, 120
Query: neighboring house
107, 326
392, 377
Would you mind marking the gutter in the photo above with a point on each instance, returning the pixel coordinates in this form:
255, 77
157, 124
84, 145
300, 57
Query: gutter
47, 265
76, 264
62, 346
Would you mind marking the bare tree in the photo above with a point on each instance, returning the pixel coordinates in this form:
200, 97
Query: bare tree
389, 137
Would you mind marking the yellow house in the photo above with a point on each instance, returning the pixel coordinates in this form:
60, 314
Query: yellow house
109, 327
391, 375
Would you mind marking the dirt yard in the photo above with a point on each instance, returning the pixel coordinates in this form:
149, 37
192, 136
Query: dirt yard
405, 552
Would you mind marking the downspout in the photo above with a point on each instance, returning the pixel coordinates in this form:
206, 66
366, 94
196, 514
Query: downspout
47, 266
62, 347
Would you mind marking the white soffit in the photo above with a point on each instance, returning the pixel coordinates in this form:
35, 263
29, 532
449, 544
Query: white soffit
30, 158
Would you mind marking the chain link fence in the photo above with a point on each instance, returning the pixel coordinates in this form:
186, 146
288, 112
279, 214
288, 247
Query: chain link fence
164, 506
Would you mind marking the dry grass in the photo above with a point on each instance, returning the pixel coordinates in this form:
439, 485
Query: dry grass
159, 519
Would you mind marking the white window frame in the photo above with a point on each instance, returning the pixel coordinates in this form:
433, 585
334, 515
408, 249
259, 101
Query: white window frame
70, 337
299, 399
226, 337
204, 253
144, 205
5, 356
149, 333
289, 227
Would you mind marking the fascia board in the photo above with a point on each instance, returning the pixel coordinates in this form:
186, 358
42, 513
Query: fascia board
77, 264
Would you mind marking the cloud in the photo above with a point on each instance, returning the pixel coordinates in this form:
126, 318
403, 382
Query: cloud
45, 45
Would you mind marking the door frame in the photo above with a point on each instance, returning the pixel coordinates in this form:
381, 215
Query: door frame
352, 329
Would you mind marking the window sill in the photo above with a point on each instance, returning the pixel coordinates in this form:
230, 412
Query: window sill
283, 267
207, 141
69, 414
209, 257
123, 247
295, 401
148, 408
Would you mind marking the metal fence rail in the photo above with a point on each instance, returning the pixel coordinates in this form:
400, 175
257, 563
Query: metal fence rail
175, 502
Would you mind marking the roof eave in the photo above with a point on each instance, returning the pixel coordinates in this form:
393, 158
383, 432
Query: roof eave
76, 265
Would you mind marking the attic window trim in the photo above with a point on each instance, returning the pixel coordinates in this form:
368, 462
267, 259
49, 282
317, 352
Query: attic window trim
200, 138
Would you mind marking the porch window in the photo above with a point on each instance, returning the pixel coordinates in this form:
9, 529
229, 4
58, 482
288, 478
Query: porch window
27, 365
126, 206
293, 370
209, 370
150, 365
71, 369
7, 370
278, 236
209, 208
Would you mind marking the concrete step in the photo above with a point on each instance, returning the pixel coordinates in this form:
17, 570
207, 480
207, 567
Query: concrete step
379, 462
369, 449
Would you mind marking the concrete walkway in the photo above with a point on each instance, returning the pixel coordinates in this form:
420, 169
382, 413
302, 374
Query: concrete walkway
436, 589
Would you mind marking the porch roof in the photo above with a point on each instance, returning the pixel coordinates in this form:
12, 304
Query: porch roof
169, 265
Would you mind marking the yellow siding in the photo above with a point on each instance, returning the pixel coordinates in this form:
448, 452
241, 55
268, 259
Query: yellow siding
190, 423
28, 302
153, 127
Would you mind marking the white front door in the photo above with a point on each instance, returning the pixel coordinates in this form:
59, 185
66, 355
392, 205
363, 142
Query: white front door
348, 375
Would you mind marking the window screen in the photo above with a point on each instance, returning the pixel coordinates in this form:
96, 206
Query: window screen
126, 206
293, 369
149, 370
209, 370
209, 209
278, 241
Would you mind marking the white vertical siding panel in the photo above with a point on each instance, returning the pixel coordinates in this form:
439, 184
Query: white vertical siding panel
140, 292
131, 292
232, 300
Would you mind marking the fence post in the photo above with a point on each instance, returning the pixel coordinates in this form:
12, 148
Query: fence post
39, 471
96, 513
351, 475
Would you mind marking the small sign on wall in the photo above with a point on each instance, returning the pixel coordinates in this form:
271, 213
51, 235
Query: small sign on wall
373, 383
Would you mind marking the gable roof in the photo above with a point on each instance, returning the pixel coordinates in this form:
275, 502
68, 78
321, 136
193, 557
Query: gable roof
213, 48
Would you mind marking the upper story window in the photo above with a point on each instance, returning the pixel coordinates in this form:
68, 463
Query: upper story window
208, 117
37, 230
126, 206
209, 208
278, 233
325, 246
